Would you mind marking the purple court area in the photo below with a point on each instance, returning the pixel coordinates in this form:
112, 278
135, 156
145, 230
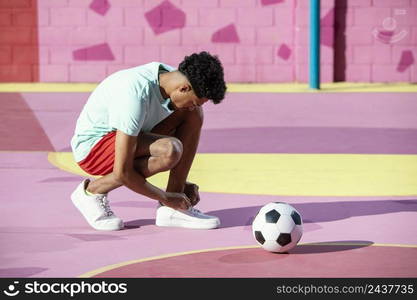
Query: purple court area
42, 234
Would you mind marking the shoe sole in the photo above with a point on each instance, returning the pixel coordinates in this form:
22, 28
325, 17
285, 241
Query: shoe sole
185, 224
73, 200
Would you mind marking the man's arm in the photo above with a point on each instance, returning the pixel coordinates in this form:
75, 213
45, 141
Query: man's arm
126, 175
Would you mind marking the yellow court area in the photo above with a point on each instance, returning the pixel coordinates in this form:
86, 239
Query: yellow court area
291, 174
335, 87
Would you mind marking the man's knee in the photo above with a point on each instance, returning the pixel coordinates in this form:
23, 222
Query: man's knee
172, 151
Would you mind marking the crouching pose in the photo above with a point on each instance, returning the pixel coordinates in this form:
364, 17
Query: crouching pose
141, 121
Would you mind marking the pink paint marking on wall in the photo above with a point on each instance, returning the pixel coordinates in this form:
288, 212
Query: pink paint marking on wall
96, 52
226, 34
165, 17
284, 52
270, 2
407, 59
100, 6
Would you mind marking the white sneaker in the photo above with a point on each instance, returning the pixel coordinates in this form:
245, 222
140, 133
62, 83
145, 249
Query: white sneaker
95, 209
191, 218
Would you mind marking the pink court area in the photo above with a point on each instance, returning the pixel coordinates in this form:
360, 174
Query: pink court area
42, 234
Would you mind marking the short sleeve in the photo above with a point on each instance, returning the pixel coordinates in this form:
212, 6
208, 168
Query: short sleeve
127, 107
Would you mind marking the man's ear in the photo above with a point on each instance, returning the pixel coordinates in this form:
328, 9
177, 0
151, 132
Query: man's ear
185, 88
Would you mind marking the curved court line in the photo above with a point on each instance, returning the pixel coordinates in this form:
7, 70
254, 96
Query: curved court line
290, 174
122, 264
335, 87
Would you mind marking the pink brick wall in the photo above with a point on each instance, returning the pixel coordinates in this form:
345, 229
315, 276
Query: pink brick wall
380, 46
257, 40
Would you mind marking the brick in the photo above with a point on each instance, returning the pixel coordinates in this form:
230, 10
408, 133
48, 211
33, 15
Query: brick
274, 73
273, 35
357, 3
53, 3
54, 36
302, 16
110, 69
87, 73
114, 17
196, 35
283, 16
15, 73
371, 16
413, 35
226, 53
414, 74
5, 55
174, 55
358, 73
87, 36
191, 16
239, 73
43, 17
60, 55
389, 73
392, 3
372, 54
217, 17
238, 3
359, 36
15, 4
10, 35
53, 73
172, 37
326, 55
255, 17
125, 35
407, 19
43, 55
138, 55
5, 18
127, 3
24, 18
247, 35
25, 55
135, 16
254, 55
381, 54
68, 16
193, 3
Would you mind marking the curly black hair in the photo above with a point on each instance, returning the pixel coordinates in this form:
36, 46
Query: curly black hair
205, 74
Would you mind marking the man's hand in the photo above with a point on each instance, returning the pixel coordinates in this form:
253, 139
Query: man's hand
177, 201
191, 190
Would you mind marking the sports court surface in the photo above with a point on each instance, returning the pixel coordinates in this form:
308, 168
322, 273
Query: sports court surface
345, 158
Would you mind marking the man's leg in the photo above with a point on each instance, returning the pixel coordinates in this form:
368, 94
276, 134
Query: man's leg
155, 153
186, 127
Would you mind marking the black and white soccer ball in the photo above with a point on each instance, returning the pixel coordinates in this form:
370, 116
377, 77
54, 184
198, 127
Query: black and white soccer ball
277, 227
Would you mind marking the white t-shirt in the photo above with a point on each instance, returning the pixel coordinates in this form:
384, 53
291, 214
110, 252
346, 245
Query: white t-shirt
128, 100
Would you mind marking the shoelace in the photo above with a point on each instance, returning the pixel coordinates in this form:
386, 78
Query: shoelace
194, 210
105, 205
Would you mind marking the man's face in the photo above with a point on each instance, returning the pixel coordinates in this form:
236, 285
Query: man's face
185, 99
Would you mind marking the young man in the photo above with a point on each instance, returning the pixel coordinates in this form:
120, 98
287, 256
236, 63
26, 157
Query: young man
139, 122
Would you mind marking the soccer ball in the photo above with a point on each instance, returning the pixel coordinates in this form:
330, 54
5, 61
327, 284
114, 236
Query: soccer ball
277, 227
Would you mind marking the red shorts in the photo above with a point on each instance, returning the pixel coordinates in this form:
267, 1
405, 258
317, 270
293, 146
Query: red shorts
100, 160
